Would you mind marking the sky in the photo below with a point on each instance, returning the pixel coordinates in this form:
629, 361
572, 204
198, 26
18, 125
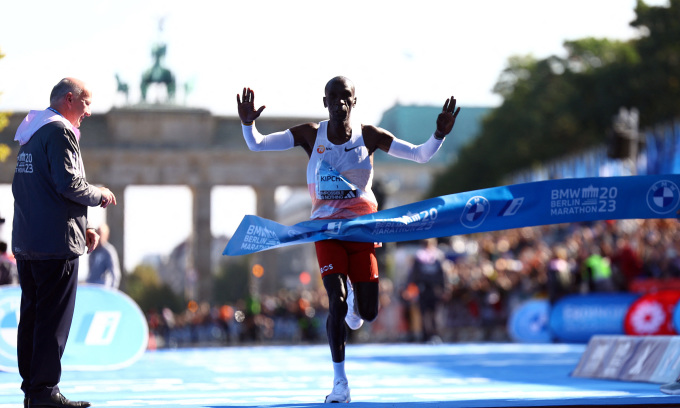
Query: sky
408, 52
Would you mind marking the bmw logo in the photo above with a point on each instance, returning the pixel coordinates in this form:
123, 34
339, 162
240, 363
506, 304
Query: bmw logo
475, 212
663, 197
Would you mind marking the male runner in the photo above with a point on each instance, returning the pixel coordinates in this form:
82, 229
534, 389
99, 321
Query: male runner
339, 178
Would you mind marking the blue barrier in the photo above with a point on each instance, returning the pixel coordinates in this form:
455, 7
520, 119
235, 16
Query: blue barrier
109, 331
576, 318
529, 323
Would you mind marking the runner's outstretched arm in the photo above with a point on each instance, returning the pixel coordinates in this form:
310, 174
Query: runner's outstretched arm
424, 152
254, 139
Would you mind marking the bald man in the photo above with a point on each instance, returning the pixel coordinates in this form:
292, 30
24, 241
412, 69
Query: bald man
50, 233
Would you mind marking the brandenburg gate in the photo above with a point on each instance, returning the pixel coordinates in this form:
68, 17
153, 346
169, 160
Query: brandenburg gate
177, 146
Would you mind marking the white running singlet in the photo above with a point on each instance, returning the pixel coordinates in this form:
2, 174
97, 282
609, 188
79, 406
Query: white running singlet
339, 177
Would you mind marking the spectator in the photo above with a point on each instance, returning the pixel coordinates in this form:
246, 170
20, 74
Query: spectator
559, 275
8, 267
103, 261
427, 274
596, 273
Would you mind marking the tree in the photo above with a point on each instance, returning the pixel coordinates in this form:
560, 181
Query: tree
4, 121
559, 106
232, 281
545, 114
145, 287
656, 81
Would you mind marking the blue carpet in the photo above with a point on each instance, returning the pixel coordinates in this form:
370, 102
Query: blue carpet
394, 375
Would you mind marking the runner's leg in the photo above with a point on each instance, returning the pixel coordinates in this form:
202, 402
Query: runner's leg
337, 309
366, 294
363, 273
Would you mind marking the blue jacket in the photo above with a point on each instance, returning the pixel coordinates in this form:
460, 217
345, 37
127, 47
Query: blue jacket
51, 196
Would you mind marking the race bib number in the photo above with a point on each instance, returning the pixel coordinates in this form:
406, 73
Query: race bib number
331, 185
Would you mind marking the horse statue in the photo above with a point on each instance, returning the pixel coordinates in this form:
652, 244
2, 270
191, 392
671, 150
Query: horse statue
122, 88
158, 73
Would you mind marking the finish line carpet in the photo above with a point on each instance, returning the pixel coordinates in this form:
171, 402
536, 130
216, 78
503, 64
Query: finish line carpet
397, 376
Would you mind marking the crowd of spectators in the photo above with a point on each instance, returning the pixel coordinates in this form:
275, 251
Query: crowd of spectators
487, 275
289, 317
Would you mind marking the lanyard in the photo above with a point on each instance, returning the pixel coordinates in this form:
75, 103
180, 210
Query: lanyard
55, 111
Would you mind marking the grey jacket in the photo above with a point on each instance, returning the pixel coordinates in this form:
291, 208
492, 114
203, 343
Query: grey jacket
51, 196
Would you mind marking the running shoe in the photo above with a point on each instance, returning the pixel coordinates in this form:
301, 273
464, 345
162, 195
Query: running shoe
340, 392
354, 321
671, 388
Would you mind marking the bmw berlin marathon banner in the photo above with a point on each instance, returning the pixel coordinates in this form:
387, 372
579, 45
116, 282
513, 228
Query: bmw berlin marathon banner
492, 209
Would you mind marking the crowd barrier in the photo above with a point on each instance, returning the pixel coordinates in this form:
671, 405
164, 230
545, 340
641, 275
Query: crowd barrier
654, 359
109, 331
577, 318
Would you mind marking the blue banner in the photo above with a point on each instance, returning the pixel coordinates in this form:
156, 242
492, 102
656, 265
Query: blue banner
576, 318
492, 209
530, 322
108, 332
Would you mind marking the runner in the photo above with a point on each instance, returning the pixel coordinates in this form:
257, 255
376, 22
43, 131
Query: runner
339, 178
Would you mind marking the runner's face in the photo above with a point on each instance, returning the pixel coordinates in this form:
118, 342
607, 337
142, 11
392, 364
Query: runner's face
339, 100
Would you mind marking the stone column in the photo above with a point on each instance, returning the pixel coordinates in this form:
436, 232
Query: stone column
266, 208
201, 243
115, 218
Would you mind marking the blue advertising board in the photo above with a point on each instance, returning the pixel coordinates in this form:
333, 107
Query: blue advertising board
529, 322
109, 331
576, 318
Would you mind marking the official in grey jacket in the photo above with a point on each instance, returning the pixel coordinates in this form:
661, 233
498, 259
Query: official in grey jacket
50, 232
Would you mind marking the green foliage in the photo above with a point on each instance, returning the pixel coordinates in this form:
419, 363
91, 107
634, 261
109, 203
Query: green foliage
144, 286
559, 106
656, 81
518, 70
231, 282
4, 121
5, 150
589, 54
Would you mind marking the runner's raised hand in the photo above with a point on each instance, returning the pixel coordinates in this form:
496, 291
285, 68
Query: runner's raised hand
446, 118
246, 107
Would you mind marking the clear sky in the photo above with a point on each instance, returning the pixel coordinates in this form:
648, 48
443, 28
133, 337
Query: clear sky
412, 52
408, 51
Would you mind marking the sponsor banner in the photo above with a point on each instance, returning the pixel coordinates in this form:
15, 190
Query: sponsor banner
109, 331
676, 317
621, 351
651, 359
652, 314
576, 318
648, 285
515, 206
668, 368
647, 357
529, 322
10, 303
598, 349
